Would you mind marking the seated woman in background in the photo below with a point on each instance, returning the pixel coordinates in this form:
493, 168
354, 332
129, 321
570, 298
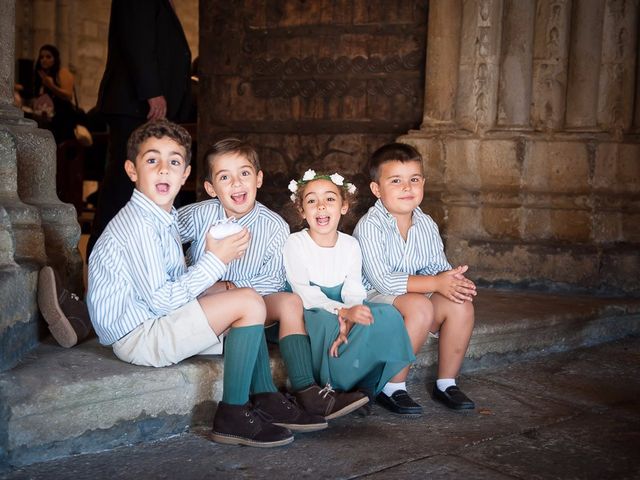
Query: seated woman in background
53, 95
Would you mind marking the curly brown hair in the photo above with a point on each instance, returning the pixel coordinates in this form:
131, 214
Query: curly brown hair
159, 129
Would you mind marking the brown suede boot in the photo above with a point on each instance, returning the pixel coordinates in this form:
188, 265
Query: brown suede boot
284, 412
66, 315
329, 403
242, 425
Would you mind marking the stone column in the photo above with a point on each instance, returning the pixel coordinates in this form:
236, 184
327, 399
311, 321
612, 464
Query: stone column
636, 121
443, 58
479, 64
617, 72
584, 65
550, 58
514, 92
525, 193
35, 228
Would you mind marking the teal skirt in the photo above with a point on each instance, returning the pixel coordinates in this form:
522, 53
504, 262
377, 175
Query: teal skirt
374, 354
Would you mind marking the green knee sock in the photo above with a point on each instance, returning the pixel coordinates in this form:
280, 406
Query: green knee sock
240, 353
262, 381
296, 353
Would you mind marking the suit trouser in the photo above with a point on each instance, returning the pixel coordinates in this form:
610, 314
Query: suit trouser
116, 187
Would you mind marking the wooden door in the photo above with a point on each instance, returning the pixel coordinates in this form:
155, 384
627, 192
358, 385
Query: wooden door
313, 84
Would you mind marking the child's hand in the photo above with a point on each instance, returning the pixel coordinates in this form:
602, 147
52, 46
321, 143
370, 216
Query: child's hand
229, 248
221, 286
357, 314
455, 286
345, 328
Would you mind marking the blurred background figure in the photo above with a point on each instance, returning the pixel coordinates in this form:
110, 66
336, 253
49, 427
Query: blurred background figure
53, 95
147, 76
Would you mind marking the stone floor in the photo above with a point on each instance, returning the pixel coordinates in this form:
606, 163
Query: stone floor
566, 415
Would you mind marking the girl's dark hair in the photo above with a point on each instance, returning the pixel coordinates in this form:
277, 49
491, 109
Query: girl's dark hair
398, 152
52, 72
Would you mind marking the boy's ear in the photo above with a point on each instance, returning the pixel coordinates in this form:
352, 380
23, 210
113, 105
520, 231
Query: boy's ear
208, 187
187, 171
130, 168
259, 177
375, 189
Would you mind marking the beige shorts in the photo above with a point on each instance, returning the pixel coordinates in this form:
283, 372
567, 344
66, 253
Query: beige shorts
376, 297
169, 339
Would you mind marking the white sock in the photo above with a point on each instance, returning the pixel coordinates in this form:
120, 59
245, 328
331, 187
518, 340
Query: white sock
444, 383
391, 387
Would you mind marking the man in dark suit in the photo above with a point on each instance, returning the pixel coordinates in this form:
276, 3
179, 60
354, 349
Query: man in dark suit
147, 77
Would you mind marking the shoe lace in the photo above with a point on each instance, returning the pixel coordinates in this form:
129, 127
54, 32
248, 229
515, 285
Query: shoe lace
326, 390
74, 297
257, 413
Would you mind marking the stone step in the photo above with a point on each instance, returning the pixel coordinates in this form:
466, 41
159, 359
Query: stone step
60, 402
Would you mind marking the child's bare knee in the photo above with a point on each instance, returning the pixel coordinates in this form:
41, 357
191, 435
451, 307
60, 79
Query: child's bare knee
252, 302
293, 302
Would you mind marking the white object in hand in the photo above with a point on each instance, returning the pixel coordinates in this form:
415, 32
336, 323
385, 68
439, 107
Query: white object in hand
225, 228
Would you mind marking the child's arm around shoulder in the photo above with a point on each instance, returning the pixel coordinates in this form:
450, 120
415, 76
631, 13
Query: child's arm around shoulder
195, 219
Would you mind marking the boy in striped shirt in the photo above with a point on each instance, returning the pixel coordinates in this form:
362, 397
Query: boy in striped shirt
404, 264
232, 179
153, 311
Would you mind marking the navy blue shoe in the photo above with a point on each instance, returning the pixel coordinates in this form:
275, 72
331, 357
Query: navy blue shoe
400, 403
453, 398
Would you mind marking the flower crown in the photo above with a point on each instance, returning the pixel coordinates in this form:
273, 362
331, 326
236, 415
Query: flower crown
309, 175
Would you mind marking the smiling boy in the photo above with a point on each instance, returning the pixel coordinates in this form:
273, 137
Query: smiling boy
404, 264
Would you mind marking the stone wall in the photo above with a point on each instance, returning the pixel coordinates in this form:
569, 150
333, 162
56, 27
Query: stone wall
35, 228
532, 152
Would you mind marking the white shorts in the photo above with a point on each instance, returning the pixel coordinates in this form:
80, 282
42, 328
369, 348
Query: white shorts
164, 341
374, 296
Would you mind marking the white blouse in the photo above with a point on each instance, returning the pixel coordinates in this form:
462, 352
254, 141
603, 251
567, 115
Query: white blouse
307, 263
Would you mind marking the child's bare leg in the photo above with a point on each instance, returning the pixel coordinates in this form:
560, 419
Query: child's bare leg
286, 308
240, 307
417, 312
456, 326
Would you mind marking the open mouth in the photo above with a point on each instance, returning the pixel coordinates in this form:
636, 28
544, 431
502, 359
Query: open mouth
322, 221
239, 198
163, 187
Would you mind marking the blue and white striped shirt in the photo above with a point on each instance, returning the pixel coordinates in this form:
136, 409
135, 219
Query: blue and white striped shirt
387, 260
262, 266
137, 270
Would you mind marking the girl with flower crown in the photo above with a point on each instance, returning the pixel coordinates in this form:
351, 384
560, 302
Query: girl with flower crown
354, 344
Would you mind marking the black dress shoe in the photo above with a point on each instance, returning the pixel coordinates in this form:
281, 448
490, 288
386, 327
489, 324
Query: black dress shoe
399, 402
453, 397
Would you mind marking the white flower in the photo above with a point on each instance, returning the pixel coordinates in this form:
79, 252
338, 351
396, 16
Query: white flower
337, 179
309, 175
351, 188
293, 186
293, 197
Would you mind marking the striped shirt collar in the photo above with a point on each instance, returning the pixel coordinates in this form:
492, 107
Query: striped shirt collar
160, 216
248, 219
382, 210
